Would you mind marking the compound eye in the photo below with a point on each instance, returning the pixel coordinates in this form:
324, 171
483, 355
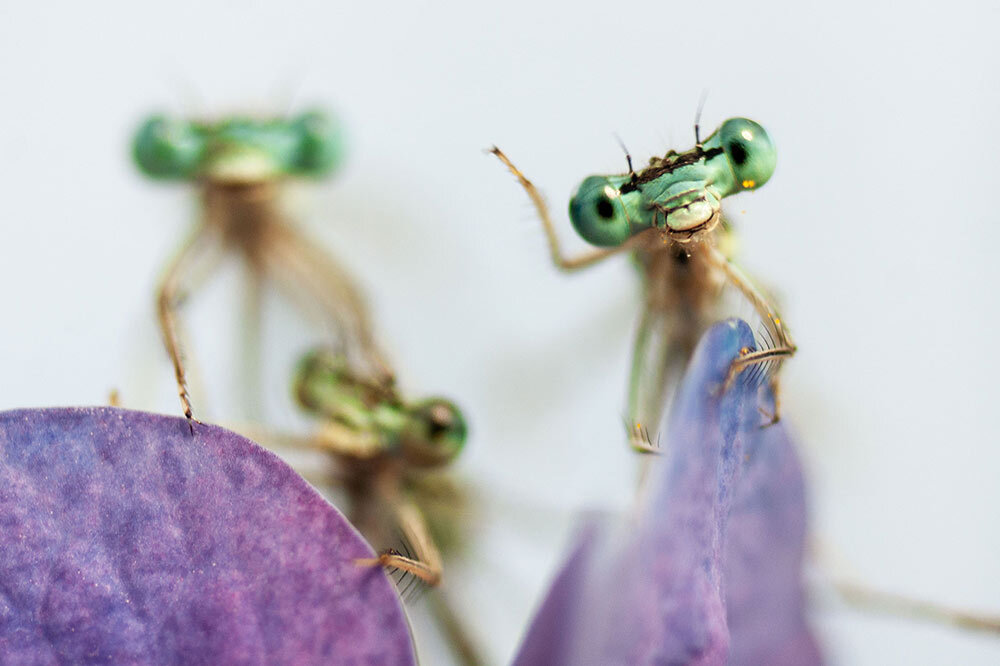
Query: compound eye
604, 208
597, 214
168, 149
750, 151
446, 428
320, 143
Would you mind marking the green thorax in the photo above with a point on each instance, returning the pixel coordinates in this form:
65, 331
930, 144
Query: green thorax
237, 149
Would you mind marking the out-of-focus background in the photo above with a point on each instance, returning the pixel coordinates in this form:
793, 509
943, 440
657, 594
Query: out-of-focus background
878, 230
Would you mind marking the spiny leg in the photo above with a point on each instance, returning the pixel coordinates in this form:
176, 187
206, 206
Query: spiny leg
750, 358
654, 353
426, 561
166, 301
394, 559
348, 445
566, 264
783, 347
174, 288
426, 555
761, 304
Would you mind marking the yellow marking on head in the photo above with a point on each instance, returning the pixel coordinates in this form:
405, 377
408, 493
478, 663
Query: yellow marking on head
777, 320
747, 184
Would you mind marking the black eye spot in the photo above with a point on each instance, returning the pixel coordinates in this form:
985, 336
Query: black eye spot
437, 429
605, 209
440, 422
738, 153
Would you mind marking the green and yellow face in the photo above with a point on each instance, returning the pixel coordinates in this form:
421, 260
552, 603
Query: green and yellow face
238, 149
679, 193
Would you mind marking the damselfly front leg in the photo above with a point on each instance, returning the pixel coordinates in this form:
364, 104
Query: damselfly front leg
186, 271
425, 561
782, 346
564, 263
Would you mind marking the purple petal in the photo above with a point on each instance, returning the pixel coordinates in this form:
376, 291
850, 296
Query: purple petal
126, 540
709, 569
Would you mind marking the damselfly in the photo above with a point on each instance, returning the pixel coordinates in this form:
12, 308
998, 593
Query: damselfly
669, 216
391, 456
239, 165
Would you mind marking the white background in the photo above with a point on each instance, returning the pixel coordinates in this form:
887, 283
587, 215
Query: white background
879, 230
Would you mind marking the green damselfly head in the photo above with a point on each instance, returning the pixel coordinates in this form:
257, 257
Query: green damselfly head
238, 149
680, 193
669, 217
426, 433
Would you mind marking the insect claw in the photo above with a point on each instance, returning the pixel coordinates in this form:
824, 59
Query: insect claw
772, 419
640, 440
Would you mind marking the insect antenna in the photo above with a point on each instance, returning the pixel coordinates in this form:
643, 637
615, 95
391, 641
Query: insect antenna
697, 119
633, 177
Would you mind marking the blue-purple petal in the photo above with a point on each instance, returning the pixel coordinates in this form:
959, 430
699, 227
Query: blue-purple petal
126, 540
708, 570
